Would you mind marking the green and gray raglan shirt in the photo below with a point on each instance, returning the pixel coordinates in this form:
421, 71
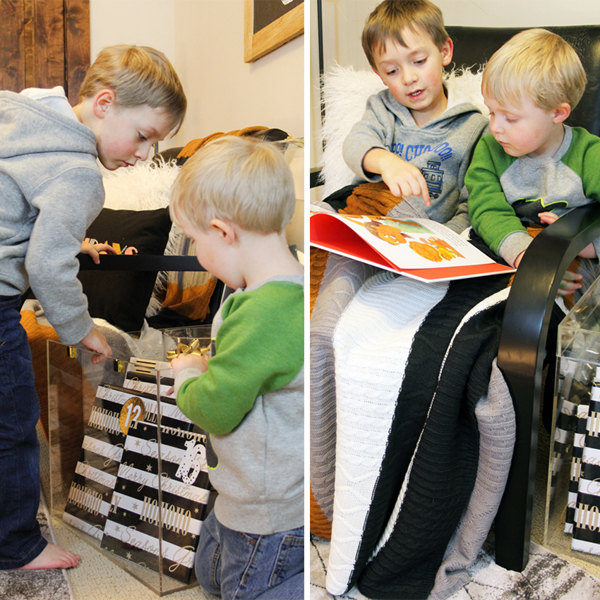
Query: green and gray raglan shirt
505, 192
251, 402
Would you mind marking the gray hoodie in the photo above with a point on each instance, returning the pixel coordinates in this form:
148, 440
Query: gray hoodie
441, 149
51, 190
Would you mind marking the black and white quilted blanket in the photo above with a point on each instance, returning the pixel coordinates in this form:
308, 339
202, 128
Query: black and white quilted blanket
412, 427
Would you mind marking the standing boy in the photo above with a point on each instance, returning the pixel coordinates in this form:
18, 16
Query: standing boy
532, 168
234, 198
418, 134
51, 190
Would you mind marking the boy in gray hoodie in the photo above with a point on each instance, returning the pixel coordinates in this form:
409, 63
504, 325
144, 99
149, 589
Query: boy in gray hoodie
51, 190
419, 133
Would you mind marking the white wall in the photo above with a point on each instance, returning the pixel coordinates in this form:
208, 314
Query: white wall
344, 20
140, 22
227, 93
204, 39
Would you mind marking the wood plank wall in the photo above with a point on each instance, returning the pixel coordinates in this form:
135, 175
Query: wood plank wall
44, 43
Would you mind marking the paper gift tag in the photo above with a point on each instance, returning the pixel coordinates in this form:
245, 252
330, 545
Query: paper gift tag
90, 494
586, 528
578, 444
132, 529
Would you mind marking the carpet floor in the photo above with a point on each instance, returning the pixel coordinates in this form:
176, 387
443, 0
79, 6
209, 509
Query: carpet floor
37, 585
547, 577
550, 574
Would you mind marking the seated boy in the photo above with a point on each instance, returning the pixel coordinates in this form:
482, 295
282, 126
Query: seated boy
51, 190
234, 198
532, 168
418, 134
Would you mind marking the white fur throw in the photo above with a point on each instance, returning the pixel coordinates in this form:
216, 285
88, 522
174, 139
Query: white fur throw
345, 92
145, 186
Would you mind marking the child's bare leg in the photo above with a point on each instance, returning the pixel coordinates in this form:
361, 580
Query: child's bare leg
53, 557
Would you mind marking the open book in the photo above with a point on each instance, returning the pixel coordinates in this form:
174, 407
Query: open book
418, 248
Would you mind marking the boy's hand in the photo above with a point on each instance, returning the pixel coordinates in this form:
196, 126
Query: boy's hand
548, 218
189, 361
96, 342
402, 178
94, 250
570, 281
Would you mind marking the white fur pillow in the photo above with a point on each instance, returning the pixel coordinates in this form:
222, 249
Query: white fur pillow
145, 186
345, 93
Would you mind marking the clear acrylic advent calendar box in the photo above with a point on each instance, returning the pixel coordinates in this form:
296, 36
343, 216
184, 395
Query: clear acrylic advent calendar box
127, 470
572, 524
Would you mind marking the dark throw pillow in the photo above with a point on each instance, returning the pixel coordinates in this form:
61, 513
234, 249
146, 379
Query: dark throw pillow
121, 297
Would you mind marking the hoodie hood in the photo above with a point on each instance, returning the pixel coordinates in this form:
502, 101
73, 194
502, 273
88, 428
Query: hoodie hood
458, 104
441, 149
50, 130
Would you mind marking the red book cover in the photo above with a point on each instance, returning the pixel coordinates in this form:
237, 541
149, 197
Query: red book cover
418, 248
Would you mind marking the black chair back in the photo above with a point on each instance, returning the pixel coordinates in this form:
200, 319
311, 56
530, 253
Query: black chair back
474, 46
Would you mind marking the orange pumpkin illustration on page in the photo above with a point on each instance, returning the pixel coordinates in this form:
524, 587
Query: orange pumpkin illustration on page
387, 233
426, 251
382, 229
447, 251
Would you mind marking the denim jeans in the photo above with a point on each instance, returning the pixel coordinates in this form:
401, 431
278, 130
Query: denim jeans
238, 565
20, 537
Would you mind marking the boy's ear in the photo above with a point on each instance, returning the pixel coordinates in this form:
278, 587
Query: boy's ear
103, 100
562, 112
225, 229
447, 50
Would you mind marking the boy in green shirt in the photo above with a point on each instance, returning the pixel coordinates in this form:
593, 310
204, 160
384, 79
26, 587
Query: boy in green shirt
234, 198
532, 168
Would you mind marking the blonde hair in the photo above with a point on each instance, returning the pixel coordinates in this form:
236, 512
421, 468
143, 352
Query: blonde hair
238, 178
138, 75
391, 17
537, 63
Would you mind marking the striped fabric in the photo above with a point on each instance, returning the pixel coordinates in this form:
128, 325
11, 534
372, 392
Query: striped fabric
396, 379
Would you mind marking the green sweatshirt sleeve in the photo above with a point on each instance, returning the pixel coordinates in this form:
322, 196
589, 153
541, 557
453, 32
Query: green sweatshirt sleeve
583, 157
259, 349
492, 217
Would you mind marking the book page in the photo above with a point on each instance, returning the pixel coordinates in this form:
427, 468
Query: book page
409, 243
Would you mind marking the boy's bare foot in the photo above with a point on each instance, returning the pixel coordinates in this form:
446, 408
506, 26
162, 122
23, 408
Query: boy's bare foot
53, 557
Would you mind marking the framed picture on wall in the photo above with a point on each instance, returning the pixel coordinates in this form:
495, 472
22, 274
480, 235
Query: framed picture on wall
269, 24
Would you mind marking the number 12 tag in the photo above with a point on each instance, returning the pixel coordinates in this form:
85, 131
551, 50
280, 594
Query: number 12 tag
132, 412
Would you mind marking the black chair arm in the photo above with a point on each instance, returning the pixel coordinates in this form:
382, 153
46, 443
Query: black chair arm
521, 355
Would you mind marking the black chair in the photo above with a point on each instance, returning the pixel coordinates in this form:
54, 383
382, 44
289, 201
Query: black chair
522, 348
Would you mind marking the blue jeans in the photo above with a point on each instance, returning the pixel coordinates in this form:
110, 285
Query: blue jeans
20, 537
238, 565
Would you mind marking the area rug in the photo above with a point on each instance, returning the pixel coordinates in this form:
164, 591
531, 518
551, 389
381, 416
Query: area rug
547, 577
45, 584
